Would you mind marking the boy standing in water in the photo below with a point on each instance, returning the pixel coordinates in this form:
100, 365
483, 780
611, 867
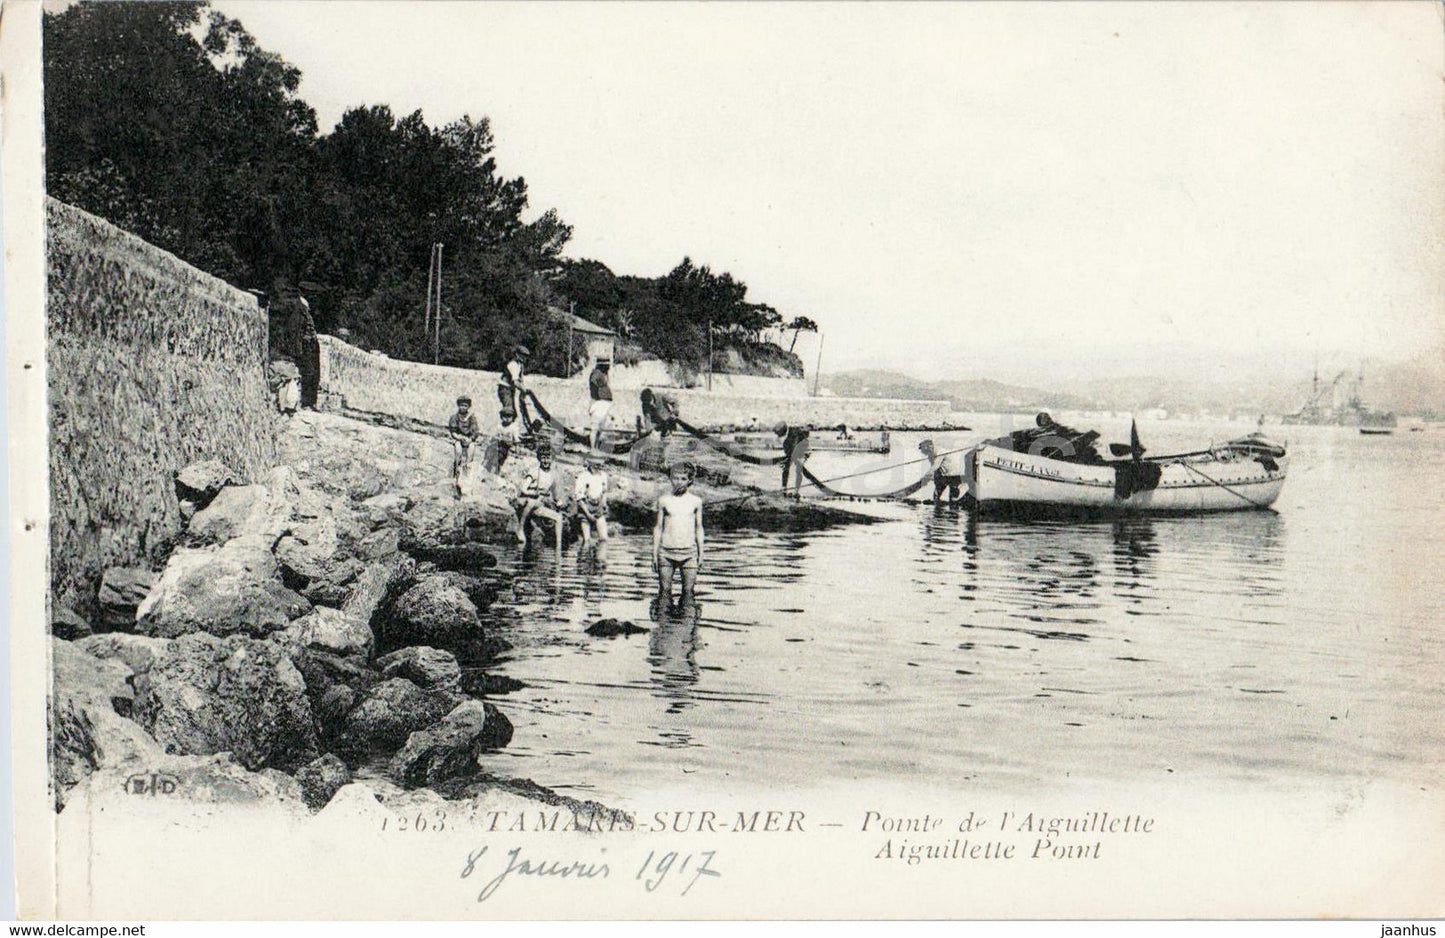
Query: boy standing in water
677, 539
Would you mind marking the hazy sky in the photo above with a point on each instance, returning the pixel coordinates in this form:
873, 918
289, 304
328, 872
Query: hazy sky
961, 191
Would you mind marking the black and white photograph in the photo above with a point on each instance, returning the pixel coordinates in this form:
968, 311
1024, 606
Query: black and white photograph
708, 461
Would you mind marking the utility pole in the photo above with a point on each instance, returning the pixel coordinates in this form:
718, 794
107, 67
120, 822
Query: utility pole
436, 346
431, 272
818, 366
567, 360
709, 352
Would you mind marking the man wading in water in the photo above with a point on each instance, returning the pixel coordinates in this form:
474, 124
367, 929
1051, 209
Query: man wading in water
795, 451
677, 540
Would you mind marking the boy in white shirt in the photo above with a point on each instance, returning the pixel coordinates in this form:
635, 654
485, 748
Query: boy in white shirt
589, 499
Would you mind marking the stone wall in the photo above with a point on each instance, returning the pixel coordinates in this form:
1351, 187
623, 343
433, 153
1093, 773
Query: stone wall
152, 364
368, 382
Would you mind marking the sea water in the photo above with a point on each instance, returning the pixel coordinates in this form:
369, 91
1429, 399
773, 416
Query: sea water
935, 648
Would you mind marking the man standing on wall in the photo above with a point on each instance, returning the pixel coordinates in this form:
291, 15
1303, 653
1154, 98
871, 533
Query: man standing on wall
293, 336
600, 387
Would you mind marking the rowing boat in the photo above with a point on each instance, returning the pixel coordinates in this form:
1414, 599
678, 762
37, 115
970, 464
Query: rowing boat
1242, 474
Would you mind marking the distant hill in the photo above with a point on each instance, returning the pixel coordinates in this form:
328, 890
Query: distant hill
1415, 387
972, 395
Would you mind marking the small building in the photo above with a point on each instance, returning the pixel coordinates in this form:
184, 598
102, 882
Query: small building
599, 342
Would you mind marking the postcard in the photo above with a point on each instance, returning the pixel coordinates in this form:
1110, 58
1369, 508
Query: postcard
726, 461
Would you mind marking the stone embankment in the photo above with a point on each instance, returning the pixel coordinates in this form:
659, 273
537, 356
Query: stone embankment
312, 625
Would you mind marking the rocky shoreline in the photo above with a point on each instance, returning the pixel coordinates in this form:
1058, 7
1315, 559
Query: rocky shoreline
310, 632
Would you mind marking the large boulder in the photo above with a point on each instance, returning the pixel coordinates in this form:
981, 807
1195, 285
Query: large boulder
136, 652
333, 631
379, 544
235, 511
449, 749
245, 696
386, 509
68, 624
321, 779
371, 588
308, 549
390, 712
435, 524
266, 509
434, 611
221, 590
92, 699
200, 482
423, 666
122, 590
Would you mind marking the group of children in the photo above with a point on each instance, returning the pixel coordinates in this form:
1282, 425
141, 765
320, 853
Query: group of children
543, 494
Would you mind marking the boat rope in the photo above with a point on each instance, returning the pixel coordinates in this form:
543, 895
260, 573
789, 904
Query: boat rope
826, 484
728, 450
1210, 478
621, 449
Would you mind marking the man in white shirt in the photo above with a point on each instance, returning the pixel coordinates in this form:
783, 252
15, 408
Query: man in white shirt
589, 499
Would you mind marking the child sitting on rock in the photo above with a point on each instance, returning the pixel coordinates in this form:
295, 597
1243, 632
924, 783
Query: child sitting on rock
540, 497
464, 431
589, 499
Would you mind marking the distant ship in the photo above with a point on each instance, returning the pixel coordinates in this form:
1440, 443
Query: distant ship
1324, 408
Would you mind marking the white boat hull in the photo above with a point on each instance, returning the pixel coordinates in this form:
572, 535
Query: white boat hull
1001, 477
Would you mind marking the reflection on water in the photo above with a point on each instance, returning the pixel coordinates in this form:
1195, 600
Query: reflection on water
670, 651
987, 651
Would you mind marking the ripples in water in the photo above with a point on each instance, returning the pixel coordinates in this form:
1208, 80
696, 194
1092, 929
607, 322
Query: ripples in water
941, 646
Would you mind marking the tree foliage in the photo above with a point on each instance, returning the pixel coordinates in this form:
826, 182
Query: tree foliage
168, 119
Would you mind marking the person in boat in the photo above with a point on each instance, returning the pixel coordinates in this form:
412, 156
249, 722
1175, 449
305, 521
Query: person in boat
589, 499
540, 497
464, 431
600, 388
1053, 440
661, 410
795, 452
947, 472
843, 433
677, 539
510, 384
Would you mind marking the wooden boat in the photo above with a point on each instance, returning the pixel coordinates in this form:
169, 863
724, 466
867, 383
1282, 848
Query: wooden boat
1239, 475
1375, 431
858, 441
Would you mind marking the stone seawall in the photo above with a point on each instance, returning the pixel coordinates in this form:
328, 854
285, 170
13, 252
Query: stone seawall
376, 384
152, 364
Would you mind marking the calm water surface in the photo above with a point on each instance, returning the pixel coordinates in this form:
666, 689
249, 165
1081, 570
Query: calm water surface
936, 648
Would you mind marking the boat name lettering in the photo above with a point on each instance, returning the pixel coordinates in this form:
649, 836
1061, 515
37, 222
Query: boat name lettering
1025, 467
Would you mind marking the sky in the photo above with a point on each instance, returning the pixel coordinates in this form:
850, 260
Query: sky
960, 191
